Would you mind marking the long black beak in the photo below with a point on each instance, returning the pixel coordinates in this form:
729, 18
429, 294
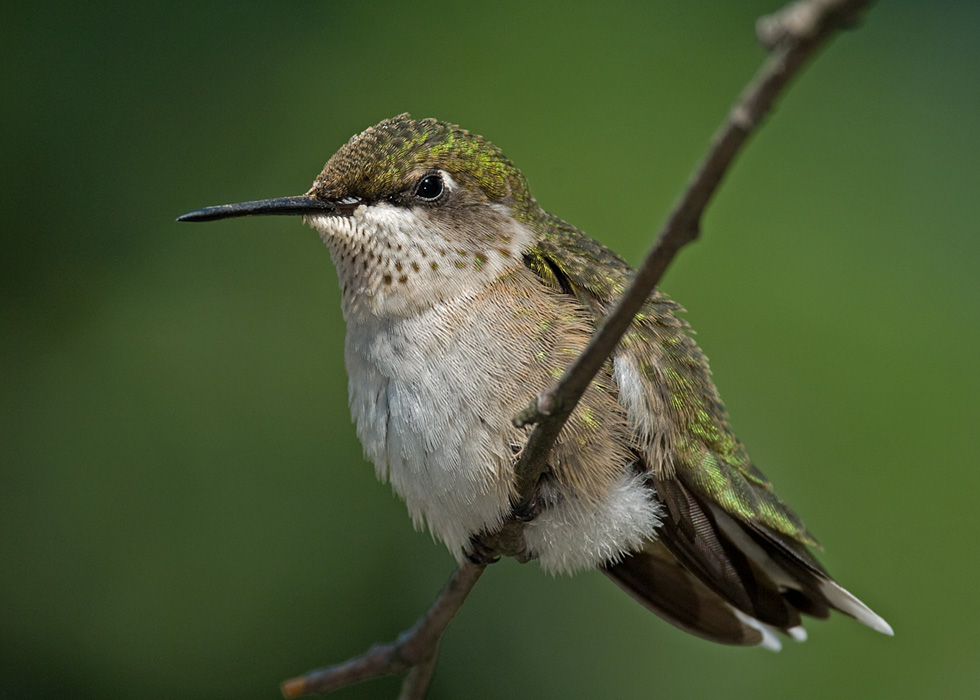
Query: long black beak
281, 206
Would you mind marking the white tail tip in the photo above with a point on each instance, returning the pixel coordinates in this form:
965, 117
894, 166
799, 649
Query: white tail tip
847, 603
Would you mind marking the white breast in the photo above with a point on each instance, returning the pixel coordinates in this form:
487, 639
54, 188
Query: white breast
427, 417
426, 396
433, 388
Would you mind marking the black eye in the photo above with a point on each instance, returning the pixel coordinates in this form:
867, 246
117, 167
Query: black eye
430, 188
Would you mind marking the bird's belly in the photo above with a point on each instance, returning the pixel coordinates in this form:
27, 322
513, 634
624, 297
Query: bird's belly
436, 436
433, 398
454, 475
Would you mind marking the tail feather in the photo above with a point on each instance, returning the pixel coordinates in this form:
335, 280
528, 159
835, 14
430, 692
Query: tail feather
840, 599
770, 638
731, 581
724, 558
656, 579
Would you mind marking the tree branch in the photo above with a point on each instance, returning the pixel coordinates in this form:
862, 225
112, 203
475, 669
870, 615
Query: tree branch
414, 650
792, 35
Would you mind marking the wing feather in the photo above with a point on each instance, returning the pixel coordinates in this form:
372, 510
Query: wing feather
732, 559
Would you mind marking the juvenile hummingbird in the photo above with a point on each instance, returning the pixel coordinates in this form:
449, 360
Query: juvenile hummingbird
463, 298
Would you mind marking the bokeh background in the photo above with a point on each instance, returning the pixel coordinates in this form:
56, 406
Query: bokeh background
184, 511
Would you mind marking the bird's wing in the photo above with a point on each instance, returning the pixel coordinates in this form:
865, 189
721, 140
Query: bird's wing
725, 527
691, 442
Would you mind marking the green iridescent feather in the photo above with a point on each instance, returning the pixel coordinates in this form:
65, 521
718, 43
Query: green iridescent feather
381, 159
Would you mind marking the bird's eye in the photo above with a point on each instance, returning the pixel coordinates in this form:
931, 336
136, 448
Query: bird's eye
430, 188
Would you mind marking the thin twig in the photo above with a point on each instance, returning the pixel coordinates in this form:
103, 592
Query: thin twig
415, 649
793, 34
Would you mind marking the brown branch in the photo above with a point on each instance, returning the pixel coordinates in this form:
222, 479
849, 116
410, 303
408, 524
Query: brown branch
792, 35
414, 650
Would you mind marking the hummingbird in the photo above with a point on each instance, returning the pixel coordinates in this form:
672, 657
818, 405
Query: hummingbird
463, 298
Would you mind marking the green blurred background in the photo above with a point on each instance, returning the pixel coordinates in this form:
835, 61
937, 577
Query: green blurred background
184, 511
